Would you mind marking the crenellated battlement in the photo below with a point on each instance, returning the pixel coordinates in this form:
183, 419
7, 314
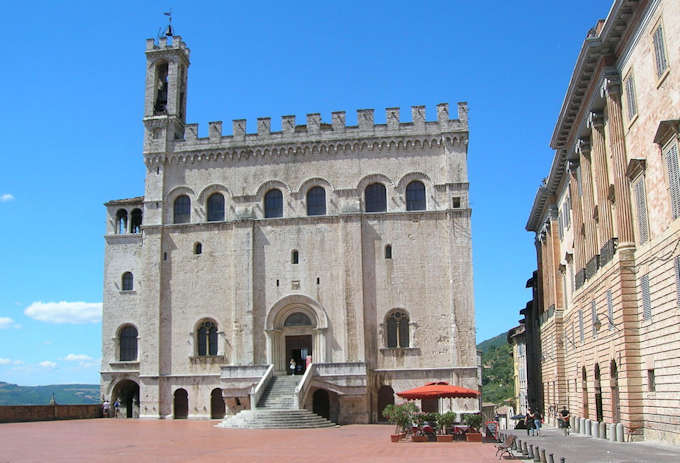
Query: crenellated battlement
167, 43
315, 129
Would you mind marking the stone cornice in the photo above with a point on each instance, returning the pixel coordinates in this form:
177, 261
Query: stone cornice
124, 238
237, 151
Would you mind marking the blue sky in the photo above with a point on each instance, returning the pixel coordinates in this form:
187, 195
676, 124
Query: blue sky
73, 89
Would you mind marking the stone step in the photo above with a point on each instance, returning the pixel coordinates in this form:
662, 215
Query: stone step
276, 418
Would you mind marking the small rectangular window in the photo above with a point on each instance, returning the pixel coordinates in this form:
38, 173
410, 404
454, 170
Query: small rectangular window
641, 207
631, 104
651, 381
610, 309
455, 202
580, 325
671, 158
646, 298
660, 51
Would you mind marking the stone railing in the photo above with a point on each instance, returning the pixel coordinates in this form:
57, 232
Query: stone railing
17, 413
303, 387
257, 391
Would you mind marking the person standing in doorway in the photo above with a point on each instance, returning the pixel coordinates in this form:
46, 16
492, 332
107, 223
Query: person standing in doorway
291, 366
116, 407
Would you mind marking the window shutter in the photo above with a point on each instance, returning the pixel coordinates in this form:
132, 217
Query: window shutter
677, 278
580, 324
659, 51
630, 97
610, 309
646, 299
566, 212
561, 225
593, 309
674, 179
641, 204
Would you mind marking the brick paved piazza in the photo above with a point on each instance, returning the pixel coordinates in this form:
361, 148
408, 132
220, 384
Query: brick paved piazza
200, 441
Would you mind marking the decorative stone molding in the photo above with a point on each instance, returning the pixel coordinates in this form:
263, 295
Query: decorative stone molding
611, 85
636, 166
595, 120
582, 146
666, 130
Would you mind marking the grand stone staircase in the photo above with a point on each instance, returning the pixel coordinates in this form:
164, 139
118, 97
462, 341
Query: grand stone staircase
277, 409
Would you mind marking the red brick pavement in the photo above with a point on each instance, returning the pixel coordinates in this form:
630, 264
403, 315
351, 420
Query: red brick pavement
199, 441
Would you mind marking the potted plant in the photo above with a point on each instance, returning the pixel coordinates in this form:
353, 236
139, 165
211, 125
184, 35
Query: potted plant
474, 421
401, 416
445, 421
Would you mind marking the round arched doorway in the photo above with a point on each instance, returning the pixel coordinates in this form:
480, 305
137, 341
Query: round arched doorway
385, 398
180, 404
296, 330
126, 392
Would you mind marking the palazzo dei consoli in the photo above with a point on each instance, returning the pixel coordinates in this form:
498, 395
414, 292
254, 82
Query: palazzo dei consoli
342, 250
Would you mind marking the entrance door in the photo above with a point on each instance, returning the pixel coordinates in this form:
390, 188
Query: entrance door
298, 348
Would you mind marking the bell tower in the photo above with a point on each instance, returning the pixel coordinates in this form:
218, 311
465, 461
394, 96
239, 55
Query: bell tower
167, 64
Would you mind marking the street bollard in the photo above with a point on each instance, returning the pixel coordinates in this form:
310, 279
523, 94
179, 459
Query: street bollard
531, 451
611, 432
603, 430
563, 460
537, 454
619, 432
525, 449
572, 423
589, 429
595, 429
551, 458
543, 458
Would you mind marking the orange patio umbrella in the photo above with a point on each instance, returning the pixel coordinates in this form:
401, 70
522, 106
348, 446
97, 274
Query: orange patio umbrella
436, 390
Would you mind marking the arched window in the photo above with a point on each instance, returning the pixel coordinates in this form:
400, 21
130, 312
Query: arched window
316, 201
181, 209
375, 198
297, 319
121, 221
388, 251
273, 204
397, 329
127, 281
198, 248
294, 257
159, 106
415, 196
136, 221
207, 338
215, 207
128, 343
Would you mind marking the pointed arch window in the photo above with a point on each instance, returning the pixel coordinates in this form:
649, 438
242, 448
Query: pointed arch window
294, 257
207, 338
128, 343
415, 196
375, 198
127, 281
181, 209
273, 204
398, 329
215, 207
388, 251
316, 201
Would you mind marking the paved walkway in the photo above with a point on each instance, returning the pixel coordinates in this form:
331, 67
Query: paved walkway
580, 449
199, 441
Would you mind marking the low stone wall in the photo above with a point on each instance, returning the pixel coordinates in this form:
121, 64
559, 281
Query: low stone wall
16, 413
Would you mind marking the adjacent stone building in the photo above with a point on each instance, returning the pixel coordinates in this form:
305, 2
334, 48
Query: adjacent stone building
343, 247
607, 229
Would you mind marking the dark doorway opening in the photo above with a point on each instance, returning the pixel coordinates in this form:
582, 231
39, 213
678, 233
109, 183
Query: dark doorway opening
614, 383
217, 408
598, 393
127, 394
181, 404
298, 348
385, 398
321, 403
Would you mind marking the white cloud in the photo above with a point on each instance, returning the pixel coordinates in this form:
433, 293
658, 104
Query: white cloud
65, 312
5, 322
5, 361
6, 198
47, 364
74, 357
17, 362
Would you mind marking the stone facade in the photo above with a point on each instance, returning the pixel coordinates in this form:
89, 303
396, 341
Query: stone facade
607, 231
236, 267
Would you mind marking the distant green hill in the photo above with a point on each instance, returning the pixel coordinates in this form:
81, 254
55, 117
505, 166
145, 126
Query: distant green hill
497, 369
11, 394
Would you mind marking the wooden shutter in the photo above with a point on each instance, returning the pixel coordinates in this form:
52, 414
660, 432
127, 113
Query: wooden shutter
593, 317
659, 51
630, 97
673, 179
646, 299
641, 205
610, 309
580, 325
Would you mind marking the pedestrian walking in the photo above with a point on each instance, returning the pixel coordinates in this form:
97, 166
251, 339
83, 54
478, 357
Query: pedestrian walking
564, 417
